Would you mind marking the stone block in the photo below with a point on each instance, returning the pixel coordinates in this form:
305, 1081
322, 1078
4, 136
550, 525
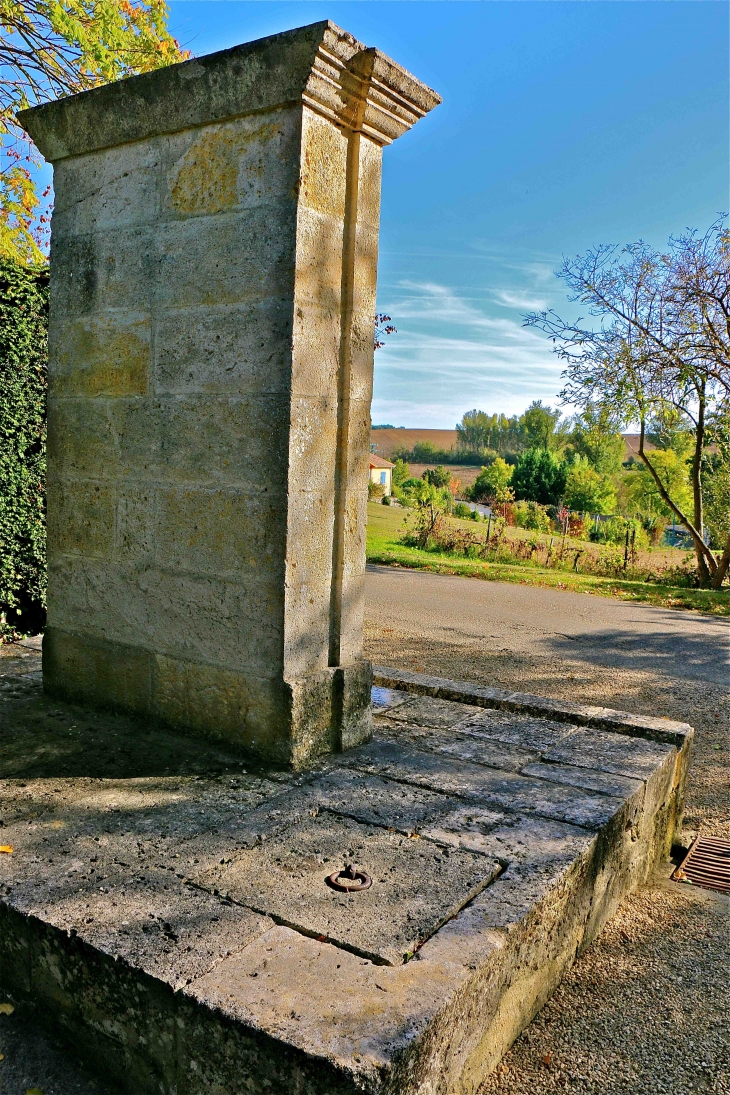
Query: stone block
503, 789
238, 257
104, 191
82, 440
107, 355
536, 734
228, 349
239, 709
223, 533
81, 518
137, 604
200, 441
376, 801
590, 779
101, 272
240, 164
356, 718
82, 669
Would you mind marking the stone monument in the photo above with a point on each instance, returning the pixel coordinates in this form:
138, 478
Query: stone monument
213, 273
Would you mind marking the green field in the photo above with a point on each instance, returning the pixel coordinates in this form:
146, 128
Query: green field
385, 526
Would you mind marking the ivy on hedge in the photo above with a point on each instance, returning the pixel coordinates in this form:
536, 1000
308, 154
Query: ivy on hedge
23, 384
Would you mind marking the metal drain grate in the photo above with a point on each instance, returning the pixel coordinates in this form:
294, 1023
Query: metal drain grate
706, 864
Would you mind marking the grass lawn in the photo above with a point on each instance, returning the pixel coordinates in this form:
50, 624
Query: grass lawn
385, 525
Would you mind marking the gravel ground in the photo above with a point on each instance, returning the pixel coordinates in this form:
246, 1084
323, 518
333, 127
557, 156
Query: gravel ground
646, 1010
34, 1061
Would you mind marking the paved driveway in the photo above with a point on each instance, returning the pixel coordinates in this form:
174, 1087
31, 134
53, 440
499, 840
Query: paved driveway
533, 620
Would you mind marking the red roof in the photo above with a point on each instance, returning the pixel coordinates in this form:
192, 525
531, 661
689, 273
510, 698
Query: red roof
378, 462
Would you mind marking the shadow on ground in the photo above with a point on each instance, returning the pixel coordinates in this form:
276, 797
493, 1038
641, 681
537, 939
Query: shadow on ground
41, 737
689, 656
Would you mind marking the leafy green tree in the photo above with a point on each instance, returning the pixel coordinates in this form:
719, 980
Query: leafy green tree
644, 496
400, 473
586, 491
671, 431
539, 476
473, 431
595, 435
437, 477
538, 425
716, 478
479, 432
50, 48
662, 340
492, 485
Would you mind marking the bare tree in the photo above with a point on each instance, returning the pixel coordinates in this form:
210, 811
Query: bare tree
663, 340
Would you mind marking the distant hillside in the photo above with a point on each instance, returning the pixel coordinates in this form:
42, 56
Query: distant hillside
386, 441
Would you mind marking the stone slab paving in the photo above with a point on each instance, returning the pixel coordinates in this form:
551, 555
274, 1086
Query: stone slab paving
166, 907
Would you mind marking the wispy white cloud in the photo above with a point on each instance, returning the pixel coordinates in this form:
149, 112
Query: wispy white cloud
455, 351
524, 301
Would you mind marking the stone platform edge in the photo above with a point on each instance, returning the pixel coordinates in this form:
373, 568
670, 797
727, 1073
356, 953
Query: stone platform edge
667, 731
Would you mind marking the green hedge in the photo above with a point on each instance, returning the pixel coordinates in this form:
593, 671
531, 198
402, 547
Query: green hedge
23, 383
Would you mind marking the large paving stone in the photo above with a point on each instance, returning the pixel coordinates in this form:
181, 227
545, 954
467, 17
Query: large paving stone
494, 788
416, 885
598, 749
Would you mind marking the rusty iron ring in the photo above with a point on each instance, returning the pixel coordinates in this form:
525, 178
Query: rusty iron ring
349, 880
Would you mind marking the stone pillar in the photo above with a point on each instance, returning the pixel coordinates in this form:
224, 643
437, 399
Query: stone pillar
213, 266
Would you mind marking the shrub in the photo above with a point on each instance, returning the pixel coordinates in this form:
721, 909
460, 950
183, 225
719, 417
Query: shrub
462, 510
23, 357
586, 491
531, 515
492, 483
400, 473
613, 531
385, 500
437, 477
375, 491
539, 476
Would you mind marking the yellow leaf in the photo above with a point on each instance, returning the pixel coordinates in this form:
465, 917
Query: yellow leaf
6, 1009
2, 1056
33, 1091
7, 848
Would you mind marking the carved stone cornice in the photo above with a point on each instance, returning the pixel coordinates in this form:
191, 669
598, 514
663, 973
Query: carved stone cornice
364, 90
321, 65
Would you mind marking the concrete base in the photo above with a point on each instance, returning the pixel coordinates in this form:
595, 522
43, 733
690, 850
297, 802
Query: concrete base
169, 909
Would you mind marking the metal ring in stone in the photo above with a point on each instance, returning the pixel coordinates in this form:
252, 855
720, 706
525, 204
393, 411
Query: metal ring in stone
339, 881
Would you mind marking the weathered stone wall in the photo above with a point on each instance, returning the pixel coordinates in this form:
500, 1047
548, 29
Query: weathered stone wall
213, 292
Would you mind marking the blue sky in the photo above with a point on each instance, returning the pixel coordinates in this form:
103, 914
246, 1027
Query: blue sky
564, 124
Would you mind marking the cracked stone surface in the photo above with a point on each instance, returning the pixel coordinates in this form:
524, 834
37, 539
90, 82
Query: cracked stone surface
166, 903
416, 884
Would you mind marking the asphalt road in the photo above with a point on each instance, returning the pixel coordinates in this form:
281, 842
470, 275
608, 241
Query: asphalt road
544, 622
